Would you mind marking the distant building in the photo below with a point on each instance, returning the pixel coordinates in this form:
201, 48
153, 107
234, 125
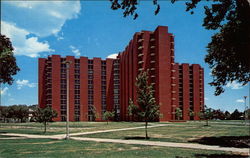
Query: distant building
108, 84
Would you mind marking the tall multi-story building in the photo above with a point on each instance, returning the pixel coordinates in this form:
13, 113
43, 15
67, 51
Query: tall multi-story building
109, 84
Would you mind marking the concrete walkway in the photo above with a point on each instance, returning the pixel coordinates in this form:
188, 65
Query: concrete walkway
112, 130
244, 151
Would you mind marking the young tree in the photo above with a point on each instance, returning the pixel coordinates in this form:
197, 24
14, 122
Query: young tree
207, 115
191, 113
44, 115
93, 113
178, 113
227, 115
108, 115
132, 109
148, 109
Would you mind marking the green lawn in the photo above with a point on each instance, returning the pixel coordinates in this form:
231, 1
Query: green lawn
59, 127
180, 132
70, 148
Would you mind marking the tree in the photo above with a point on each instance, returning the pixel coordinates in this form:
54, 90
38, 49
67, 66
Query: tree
178, 113
236, 115
227, 115
207, 115
132, 109
93, 113
108, 115
191, 113
8, 66
232, 41
148, 109
44, 115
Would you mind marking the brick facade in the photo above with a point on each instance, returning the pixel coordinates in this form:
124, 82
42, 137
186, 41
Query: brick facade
109, 84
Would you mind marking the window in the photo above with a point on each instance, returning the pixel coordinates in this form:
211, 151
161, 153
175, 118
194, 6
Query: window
103, 73
77, 76
90, 66
90, 86
63, 118
77, 65
63, 65
90, 61
63, 86
63, 101
63, 70
77, 86
63, 112
77, 96
63, 97
63, 81
77, 101
77, 71
77, 81
77, 91
63, 92
103, 62
90, 81
63, 75
90, 77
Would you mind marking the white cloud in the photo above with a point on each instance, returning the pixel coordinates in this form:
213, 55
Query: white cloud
47, 18
24, 46
23, 83
206, 98
234, 85
112, 56
240, 100
4, 90
75, 50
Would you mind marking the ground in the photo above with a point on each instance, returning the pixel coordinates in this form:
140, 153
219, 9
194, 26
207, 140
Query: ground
223, 134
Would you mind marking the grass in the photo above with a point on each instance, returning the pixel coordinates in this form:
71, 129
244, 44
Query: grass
71, 148
59, 127
179, 132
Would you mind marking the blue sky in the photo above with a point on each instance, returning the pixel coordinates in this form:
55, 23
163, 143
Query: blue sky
92, 29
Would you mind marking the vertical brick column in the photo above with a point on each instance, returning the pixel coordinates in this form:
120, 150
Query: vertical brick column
41, 81
109, 85
185, 68
97, 87
196, 90
84, 89
163, 71
56, 89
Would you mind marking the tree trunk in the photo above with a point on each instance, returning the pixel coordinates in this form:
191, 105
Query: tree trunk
45, 124
146, 129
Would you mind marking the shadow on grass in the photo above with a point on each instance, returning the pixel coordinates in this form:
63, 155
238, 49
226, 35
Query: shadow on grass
225, 141
136, 138
219, 156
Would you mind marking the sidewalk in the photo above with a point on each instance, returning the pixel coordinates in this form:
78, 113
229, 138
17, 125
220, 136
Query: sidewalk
244, 151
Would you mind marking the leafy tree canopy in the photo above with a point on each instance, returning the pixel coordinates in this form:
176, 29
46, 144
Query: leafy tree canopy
44, 115
8, 66
228, 52
148, 109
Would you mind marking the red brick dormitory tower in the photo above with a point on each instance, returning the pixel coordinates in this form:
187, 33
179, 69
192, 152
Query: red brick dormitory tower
108, 84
